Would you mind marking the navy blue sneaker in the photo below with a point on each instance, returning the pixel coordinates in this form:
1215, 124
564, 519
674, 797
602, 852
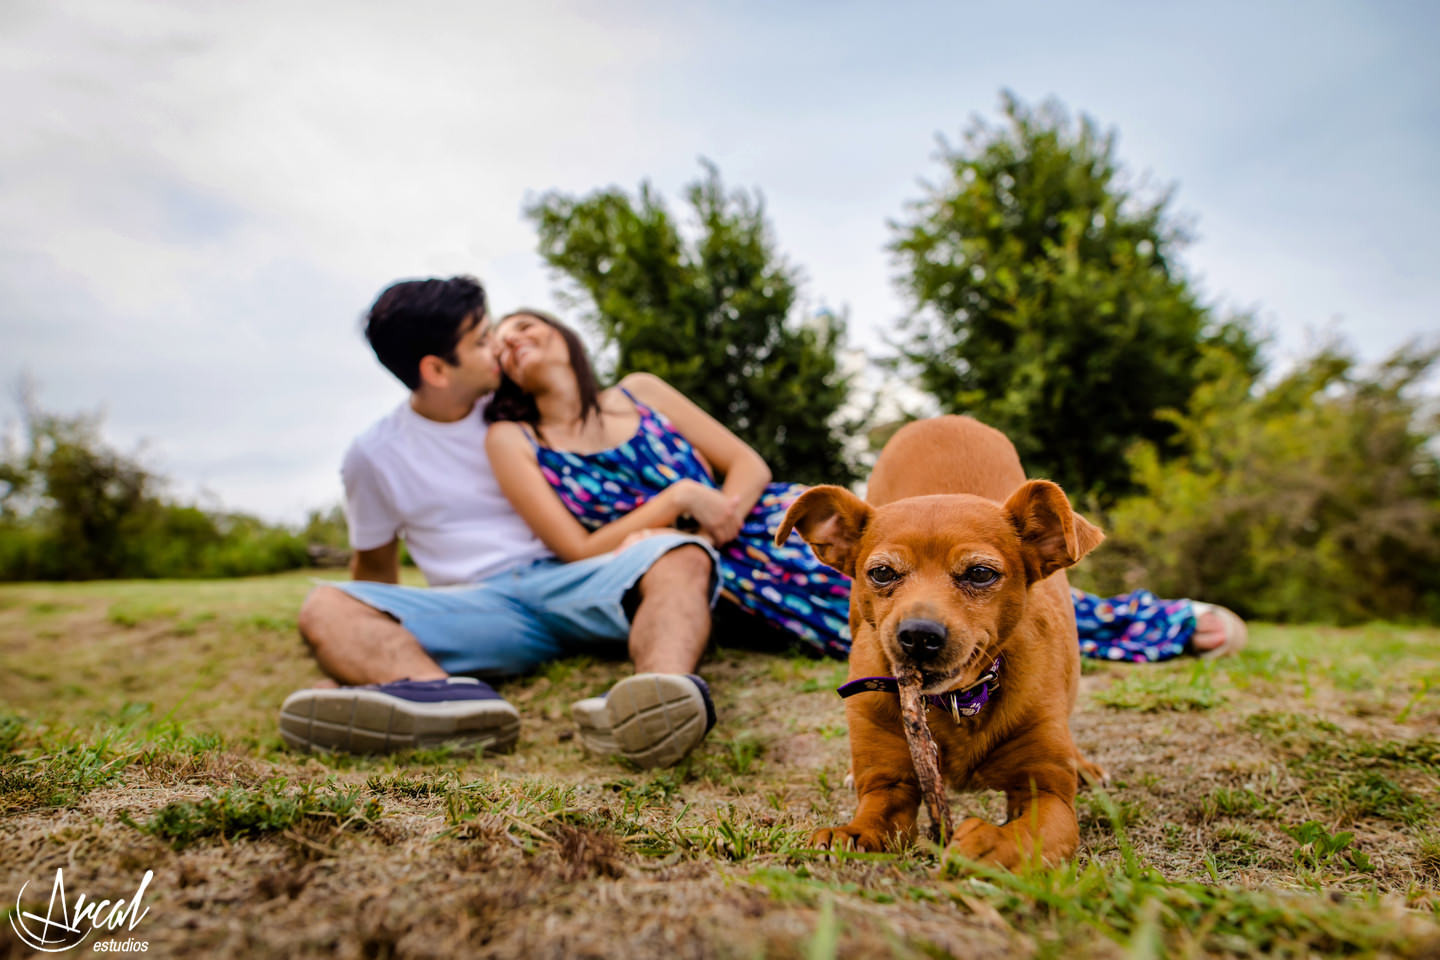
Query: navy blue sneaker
402, 715
654, 719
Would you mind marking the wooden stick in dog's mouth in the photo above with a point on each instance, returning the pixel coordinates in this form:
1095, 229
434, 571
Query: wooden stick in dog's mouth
924, 753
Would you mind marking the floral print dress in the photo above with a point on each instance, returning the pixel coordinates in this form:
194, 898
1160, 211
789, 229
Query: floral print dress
786, 584
1137, 626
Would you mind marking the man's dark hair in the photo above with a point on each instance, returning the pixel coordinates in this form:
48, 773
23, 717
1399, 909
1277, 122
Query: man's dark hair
414, 319
512, 403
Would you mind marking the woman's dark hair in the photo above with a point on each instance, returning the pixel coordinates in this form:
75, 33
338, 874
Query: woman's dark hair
512, 403
414, 319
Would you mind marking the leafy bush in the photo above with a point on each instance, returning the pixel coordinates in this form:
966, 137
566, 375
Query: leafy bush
1315, 499
74, 508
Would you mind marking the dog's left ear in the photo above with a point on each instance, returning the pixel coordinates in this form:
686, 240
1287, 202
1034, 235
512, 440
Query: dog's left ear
831, 519
1053, 535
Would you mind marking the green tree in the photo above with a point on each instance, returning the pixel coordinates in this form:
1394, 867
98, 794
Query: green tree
714, 315
1047, 299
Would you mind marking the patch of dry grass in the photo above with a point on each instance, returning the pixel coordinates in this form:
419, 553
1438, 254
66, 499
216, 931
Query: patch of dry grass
1282, 802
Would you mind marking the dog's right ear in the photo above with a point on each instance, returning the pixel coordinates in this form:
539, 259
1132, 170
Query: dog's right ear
831, 519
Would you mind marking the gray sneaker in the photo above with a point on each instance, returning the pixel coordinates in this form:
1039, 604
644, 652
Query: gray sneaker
652, 719
402, 715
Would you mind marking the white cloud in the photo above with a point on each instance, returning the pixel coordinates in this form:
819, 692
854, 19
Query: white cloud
201, 199
197, 200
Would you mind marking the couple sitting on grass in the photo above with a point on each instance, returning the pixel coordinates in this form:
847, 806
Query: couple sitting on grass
550, 518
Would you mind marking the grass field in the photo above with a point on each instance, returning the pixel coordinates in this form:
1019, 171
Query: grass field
1283, 802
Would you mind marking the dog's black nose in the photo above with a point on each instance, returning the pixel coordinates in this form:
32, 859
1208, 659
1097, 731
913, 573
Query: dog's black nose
921, 639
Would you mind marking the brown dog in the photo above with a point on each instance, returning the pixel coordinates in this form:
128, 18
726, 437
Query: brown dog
956, 562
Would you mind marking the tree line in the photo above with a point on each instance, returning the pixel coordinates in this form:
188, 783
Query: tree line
1045, 294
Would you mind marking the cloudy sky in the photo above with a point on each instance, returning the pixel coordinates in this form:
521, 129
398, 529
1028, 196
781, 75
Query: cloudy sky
197, 200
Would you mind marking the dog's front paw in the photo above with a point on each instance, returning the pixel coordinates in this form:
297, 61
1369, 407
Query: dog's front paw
1091, 773
849, 838
980, 840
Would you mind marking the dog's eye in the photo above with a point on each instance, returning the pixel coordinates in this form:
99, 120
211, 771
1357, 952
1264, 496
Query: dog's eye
882, 575
980, 575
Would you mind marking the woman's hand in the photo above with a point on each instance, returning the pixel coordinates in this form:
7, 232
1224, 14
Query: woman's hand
717, 513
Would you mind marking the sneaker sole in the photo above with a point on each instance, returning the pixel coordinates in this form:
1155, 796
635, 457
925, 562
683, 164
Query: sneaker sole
367, 721
592, 723
656, 719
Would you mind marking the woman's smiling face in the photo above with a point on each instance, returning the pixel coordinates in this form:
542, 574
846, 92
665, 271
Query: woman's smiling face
527, 344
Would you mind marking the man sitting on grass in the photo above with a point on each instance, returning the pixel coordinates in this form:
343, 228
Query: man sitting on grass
406, 661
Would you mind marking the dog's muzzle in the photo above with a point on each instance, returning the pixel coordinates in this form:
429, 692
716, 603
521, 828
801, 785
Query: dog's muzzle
921, 640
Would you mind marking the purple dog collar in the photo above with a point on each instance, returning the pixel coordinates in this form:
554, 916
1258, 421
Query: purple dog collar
958, 703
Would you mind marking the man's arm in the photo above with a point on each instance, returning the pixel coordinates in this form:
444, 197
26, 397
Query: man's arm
371, 516
381, 564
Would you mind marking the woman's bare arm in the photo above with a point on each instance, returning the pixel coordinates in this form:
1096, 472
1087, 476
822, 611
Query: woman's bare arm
518, 472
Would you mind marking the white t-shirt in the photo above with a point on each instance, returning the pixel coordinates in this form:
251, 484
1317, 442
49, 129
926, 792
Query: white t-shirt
430, 483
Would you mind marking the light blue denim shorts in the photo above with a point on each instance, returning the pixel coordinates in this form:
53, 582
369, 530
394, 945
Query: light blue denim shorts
516, 620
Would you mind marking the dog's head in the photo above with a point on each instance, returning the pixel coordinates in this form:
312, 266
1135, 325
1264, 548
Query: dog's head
942, 580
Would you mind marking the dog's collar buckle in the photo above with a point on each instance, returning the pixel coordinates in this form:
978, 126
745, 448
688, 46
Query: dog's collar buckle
966, 702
